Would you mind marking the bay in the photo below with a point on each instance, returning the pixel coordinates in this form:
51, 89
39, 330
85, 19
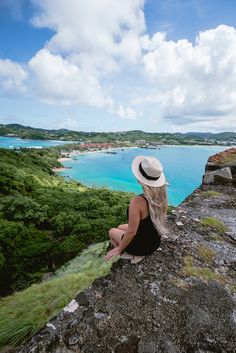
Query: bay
184, 167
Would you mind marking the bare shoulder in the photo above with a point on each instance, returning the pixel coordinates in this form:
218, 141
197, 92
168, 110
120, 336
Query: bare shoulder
137, 201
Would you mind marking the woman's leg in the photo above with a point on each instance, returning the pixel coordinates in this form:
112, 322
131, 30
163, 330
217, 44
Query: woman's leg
123, 227
115, 235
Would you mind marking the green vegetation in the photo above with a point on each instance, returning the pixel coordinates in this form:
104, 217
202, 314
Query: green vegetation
215, 236
24, 313
188, 261
190, 138
45, 220
207, 254
230, 158
205, 273
170, 209
214, 224
211, 193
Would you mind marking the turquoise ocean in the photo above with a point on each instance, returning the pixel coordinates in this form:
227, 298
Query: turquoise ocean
14, 142
184, 167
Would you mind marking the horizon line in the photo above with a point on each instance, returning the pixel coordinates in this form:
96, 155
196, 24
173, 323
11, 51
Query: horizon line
121, 131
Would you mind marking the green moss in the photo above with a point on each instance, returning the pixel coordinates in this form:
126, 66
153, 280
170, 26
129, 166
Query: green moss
24, 313
206, 253
188, 261
230, 158
204, 273
215, 236
214, 223
210, 193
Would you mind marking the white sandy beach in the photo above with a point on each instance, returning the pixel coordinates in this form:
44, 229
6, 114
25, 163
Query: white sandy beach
59, 169
74, 153
64, 159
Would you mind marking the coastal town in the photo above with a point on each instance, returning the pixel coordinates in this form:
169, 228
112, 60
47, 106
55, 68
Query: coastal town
89, 141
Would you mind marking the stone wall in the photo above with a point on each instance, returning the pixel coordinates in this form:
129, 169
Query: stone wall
221, 168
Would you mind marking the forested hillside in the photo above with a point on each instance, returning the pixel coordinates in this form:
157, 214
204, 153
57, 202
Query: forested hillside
44, 220
28, 132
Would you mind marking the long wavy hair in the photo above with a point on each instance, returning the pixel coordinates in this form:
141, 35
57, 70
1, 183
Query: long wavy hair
158, 205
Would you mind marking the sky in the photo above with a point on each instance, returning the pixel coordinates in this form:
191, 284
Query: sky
108, 65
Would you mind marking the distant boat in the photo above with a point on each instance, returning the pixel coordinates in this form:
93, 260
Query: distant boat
151, 147
110, 152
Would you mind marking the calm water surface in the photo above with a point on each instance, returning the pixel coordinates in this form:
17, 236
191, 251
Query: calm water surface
183, 167
11, 142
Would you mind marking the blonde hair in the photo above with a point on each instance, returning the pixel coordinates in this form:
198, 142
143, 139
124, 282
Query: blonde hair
158, 205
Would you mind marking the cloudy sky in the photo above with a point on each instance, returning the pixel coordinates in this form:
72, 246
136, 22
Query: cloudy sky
113, 65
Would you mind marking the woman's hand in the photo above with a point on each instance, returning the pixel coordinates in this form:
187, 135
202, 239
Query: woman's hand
112, 253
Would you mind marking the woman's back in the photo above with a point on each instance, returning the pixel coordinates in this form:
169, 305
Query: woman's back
147, 239
144, 209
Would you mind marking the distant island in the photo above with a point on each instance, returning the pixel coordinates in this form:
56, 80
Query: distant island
121, 138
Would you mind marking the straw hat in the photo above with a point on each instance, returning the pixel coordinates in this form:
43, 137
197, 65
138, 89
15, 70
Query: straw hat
149, 171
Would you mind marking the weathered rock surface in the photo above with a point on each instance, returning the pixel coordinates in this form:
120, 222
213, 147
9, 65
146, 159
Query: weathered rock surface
221, 168
223, 175
181, 299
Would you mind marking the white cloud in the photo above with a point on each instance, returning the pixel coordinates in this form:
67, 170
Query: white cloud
59, 81
102, 33
92, 41
192, 83
12, 76
125, 112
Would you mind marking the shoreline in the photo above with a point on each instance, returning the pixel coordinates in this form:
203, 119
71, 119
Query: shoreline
104, 150
60, 169
77, 153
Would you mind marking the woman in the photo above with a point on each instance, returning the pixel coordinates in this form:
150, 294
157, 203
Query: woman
146, 213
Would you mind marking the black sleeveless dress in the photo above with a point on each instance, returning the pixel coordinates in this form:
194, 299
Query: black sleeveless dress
146, 240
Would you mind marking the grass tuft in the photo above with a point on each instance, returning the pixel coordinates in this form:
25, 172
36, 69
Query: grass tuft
24, 313
188, 261
204, 273
215, 236
206, 253
230, 158
170, 208
210, 193
214, 224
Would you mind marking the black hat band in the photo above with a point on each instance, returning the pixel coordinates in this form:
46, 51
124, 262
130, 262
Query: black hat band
145, 175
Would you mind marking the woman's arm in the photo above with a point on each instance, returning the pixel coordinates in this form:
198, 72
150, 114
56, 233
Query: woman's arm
134, 219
